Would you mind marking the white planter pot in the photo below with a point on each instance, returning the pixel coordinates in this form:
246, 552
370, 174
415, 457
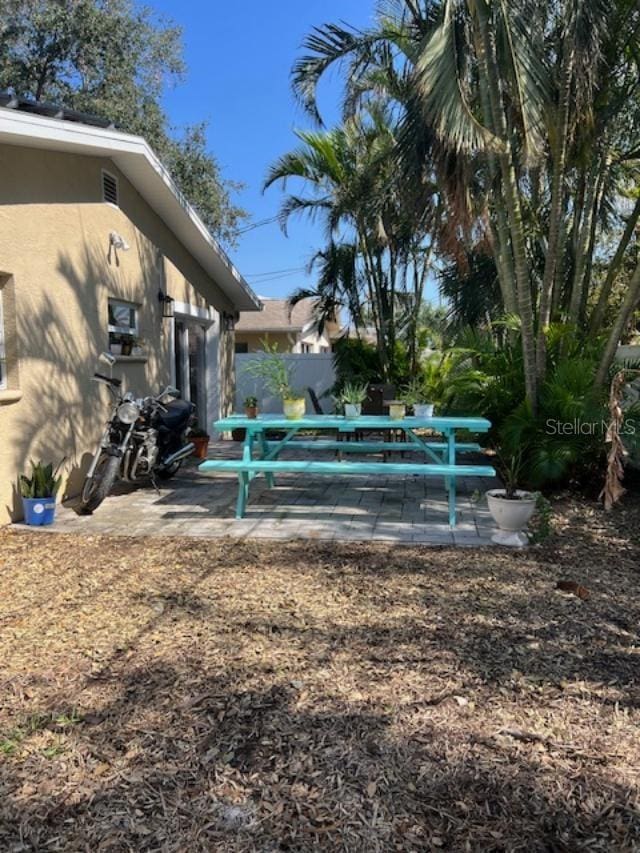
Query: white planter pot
511, 516
423, 410
352, 410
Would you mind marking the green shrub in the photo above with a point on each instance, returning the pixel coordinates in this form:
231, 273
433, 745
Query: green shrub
353, 394
43, 483
564, 440
276, 374
356, 362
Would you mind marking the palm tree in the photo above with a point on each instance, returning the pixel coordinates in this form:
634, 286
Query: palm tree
376, 245
507, 104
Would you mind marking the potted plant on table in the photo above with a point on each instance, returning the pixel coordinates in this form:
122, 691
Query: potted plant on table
251, 407
413, 395
397, 409
510, 507
352, 397
39, 493
277, 375
200, 440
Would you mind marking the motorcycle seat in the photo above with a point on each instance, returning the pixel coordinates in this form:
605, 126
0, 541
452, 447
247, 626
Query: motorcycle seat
178, 412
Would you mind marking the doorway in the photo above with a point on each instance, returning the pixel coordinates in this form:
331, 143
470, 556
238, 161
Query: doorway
191, 364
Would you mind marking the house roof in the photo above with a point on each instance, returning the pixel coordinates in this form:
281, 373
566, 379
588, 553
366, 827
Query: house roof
47, 127
276, 317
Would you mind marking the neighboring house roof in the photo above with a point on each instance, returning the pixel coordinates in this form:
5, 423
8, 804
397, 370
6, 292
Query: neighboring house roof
276, 317
68, 131
366, 333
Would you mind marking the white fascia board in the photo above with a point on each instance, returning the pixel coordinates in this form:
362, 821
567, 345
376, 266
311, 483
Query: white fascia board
137, 161
286, 330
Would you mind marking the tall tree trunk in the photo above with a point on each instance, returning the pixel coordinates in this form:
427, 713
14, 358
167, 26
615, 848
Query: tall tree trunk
389, 292
419, 278
514, 214
555, 213
500, 229
370, 276
591, 198
599, 311
629, 305
588, 272
561, 263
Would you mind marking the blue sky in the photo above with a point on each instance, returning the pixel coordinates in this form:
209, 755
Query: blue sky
239, 57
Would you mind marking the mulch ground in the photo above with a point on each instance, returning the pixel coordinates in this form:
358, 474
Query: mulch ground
191, 695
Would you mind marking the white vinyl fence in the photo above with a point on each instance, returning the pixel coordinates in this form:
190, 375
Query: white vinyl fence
310, 370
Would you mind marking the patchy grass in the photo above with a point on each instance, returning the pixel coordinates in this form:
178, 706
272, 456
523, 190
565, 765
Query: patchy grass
188, 695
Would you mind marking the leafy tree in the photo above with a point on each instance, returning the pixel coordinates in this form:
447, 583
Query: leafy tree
527, 115
114, 59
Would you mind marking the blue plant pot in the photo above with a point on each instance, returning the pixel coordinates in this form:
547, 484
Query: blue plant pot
39, 511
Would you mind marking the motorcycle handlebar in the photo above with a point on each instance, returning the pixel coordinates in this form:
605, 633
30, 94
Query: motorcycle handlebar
116, 383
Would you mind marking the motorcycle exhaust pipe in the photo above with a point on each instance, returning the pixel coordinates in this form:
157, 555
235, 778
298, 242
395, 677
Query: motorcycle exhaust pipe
187, 450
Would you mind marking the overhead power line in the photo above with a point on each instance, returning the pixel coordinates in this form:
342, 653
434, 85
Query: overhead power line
258, 224
274, 272
260, 281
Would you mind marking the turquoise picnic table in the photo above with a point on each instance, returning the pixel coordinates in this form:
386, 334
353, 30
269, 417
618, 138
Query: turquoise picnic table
440, 457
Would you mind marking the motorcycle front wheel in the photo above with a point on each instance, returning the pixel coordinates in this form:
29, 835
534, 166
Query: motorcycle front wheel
96, 488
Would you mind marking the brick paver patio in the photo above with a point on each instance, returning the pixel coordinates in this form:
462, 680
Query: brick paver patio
393, 509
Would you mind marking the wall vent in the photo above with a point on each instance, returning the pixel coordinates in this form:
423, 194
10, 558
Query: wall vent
109, 188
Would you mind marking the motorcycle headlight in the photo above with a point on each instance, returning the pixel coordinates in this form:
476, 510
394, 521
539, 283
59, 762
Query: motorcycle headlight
128, 412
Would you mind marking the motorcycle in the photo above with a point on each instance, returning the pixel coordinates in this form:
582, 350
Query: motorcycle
144, 437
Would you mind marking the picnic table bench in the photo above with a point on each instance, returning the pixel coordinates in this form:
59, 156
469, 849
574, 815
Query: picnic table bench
440, 456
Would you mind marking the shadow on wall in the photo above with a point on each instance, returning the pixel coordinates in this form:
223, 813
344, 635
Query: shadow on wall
63, 411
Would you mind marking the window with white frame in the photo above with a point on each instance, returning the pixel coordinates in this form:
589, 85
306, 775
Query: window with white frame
123, 326
306, 348
3, 358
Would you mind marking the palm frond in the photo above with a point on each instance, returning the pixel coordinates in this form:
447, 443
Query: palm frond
440, 80
520, 33
328, 44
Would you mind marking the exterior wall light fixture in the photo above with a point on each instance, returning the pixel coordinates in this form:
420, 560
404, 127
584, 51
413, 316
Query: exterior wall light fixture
166, 303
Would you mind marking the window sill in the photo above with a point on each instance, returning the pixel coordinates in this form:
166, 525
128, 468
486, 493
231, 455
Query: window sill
131, 359
10, 395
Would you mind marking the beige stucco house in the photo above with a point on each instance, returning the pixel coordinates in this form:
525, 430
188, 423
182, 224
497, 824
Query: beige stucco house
94, 236
292, 328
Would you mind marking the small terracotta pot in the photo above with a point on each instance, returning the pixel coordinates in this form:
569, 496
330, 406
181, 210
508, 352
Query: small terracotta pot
251, 412
201, 446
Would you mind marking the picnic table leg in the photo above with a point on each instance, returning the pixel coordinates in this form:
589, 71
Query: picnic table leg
451, 454
271, 480
452, 502
243, 476
243, 493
